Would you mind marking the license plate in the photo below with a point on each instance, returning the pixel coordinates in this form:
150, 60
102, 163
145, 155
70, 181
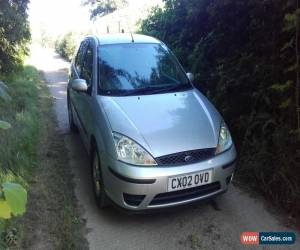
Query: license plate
189, 180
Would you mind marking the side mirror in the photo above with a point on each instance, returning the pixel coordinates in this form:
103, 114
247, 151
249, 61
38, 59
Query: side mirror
79, 85
190, 76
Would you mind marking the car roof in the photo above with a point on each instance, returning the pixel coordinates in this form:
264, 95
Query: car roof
125, 38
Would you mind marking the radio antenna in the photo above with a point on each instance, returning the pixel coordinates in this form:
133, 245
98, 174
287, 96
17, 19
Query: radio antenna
132, 40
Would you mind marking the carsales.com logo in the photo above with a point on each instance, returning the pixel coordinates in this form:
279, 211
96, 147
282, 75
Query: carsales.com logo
264, 238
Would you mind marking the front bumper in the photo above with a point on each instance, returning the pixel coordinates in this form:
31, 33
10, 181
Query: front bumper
143, 188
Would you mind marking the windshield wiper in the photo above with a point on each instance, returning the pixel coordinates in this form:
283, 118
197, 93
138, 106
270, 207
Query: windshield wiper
178, 87
140, 91
156, 90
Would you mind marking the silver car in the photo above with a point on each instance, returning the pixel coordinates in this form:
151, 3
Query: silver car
154, 140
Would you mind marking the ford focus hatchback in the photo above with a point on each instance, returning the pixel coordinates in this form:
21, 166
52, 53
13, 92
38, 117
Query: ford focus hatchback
154, 140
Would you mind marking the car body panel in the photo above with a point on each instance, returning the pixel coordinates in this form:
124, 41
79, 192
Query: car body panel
161, 174
182, 116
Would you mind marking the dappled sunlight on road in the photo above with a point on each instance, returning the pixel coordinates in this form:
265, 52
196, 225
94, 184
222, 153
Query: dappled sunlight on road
56, 75
43, 59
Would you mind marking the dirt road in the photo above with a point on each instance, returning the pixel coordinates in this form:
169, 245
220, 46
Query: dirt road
201, 226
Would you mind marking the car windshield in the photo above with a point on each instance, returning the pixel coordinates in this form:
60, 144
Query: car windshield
136, 68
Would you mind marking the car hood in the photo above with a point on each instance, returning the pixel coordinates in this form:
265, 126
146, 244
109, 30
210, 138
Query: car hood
165, 123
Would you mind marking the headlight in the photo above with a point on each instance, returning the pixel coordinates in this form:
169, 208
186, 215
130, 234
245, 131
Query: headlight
225, 140
130, 152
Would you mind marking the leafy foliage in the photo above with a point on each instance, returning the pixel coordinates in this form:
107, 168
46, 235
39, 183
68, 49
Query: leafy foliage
5, 97
13, 201
4, 125
14, 36
15, 198
14, 33
18, 157
3, 92
66, 46
5, 211
242, 53
104, 7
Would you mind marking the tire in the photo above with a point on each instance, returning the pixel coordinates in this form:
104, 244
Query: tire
72, 125
98, 185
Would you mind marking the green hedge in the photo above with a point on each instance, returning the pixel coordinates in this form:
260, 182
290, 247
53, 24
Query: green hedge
242, 53
66, 46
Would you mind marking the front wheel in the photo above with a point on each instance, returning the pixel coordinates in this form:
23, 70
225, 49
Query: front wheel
98, 185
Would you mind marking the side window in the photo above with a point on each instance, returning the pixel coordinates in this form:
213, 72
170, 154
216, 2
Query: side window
80, 57
87, 69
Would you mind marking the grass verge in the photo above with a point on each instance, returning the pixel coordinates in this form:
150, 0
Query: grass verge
18, 146
33, 154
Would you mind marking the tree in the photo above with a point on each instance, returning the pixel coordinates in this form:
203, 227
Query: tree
242, 53
14, 33
104, 7
66, 46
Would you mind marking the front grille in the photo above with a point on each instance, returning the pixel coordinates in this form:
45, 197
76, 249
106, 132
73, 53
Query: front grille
133, 200
186, 157
186, 194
